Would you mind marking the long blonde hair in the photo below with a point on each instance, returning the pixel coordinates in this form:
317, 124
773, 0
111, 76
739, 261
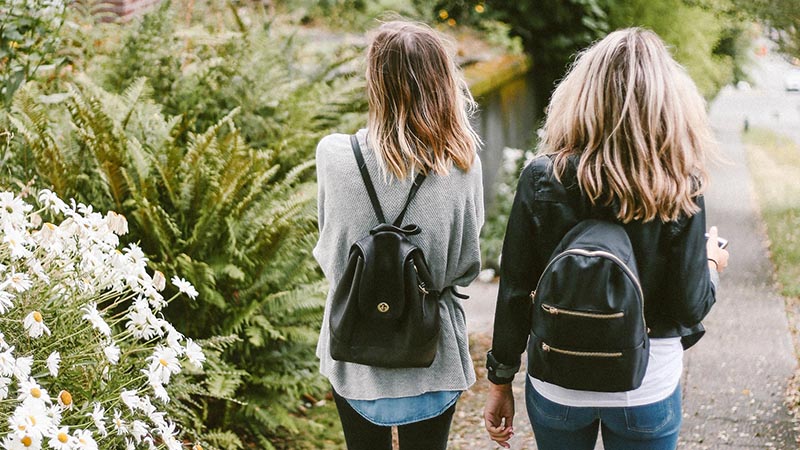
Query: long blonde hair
638, 124
419, 104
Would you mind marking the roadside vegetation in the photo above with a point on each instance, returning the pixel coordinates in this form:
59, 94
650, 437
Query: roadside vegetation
775, 164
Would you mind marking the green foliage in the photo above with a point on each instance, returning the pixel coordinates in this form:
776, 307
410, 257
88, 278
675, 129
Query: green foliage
775, 163
278, 83
351, 15
783, 15
215, 210
494, 230
695, 34
28, 41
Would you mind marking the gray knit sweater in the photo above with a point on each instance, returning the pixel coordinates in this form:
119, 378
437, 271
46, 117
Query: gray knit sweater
449, 211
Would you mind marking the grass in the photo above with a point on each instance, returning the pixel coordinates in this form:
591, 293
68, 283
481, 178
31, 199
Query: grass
775, 166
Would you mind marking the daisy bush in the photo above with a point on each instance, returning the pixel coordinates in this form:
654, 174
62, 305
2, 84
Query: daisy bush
86, 357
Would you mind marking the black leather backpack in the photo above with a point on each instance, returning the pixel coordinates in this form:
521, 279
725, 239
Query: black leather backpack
385, 311
588, 328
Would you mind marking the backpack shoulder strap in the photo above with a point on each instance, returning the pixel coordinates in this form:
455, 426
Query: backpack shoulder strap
373, 196
362, 166
414, 188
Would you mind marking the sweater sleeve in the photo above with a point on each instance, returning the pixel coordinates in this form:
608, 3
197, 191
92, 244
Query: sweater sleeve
469, 264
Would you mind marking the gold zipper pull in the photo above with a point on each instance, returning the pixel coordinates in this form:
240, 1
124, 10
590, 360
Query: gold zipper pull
533, 294
545, 347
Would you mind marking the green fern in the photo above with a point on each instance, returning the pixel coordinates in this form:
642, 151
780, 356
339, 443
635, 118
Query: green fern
222, 215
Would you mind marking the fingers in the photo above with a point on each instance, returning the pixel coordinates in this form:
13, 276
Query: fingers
713, 234
501, 435
499, 428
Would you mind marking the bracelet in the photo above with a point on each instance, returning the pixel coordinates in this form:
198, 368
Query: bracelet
716, 265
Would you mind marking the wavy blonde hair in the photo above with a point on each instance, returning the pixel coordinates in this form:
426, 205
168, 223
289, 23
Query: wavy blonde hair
419, 104
638, 124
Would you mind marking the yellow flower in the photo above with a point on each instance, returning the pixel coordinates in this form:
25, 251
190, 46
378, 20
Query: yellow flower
451, 22
65, 399
13, 44
479, 8
443, 14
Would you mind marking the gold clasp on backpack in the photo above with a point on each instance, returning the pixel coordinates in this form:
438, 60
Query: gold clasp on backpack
422, 288
383, 307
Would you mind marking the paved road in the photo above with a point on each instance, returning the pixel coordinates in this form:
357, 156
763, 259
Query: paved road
735, 378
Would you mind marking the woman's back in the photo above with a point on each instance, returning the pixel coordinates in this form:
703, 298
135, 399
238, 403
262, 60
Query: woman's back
449, 211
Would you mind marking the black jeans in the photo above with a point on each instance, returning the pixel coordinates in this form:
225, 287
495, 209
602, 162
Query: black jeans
361, 434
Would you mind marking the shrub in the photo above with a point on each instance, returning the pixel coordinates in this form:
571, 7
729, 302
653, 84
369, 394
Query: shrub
28, 41
86, 359
214, 210
288, 95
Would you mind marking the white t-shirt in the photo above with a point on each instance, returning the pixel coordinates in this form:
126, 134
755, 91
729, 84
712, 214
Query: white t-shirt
660, 380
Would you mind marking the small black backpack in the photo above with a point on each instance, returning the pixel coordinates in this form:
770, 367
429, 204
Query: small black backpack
384, 311
588, 329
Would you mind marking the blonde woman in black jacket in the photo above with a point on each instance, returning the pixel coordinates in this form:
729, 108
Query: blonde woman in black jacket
625, 139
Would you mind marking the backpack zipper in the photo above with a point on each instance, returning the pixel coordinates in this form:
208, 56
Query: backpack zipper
555, 311
548, 348
602, 253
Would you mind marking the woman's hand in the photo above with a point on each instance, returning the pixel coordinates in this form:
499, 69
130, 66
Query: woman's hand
498, 414
717, 257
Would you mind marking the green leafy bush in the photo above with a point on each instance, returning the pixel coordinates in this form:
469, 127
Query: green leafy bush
29, 38
288, 94
215, 210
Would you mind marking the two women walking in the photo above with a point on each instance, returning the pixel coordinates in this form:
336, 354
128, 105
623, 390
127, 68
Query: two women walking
625, 141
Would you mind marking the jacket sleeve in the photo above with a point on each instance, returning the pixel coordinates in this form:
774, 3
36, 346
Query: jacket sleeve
692, 292
517, 268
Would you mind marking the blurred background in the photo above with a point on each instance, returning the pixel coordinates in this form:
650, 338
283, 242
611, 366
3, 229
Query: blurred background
198, 120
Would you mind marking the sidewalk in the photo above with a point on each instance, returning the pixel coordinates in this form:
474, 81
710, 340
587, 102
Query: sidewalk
735, 378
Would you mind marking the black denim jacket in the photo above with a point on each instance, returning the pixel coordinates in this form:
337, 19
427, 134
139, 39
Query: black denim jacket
671, 258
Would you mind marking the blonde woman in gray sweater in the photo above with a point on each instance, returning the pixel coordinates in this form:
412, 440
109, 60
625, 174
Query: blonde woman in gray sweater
418, 122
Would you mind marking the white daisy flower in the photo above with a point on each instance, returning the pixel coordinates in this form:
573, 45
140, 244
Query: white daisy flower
61, 440
164, 363
4, 382
98, 417
16, 241
3, 343
159, 281
92, 315
185, 287
174, 338
53, 362
19, 281
112, 352
21, 441
119, 423
138, 430
7, 362
5, 301
22, 367
195, 354
34, 325
117, 223
33, 418
84, 440
65, 399
49, 199
30, 389
130, 399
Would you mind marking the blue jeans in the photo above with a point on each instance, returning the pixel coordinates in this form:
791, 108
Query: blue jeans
647, 427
